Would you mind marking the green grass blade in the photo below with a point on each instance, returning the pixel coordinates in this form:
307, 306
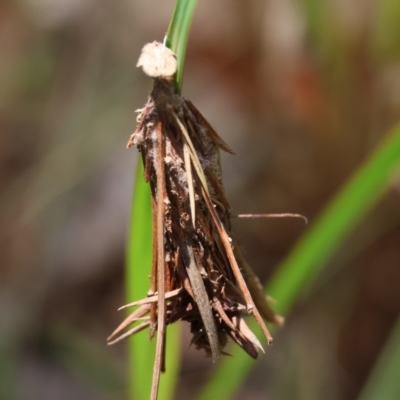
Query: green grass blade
297, 272
178, 33
139, 250
139, 258
384, 382
138, 267
357, 197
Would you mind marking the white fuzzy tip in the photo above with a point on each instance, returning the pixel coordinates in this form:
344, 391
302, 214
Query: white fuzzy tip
157, 61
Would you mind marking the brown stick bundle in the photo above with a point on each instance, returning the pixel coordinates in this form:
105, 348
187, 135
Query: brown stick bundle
198, 273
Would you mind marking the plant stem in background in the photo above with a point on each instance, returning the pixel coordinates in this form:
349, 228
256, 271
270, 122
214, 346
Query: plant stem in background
384, 380
298, 271
138, 265
139, 249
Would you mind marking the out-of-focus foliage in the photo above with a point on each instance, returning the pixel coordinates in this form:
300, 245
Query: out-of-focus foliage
304, 91
383, 382
299, 271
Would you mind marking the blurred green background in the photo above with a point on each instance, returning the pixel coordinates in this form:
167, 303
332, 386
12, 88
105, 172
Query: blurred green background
302, 90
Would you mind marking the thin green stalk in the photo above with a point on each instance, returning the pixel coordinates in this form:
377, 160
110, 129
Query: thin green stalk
178, 33
139, 248
309, 256
384, 382
138, 266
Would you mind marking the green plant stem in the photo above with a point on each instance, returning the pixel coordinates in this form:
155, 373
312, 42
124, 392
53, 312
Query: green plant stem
139, 249
178, 33
309, 256
384, 382
138, 265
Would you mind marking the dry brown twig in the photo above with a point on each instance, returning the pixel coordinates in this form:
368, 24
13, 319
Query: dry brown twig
199, 274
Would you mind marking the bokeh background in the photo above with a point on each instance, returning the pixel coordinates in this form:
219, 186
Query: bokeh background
303, 90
